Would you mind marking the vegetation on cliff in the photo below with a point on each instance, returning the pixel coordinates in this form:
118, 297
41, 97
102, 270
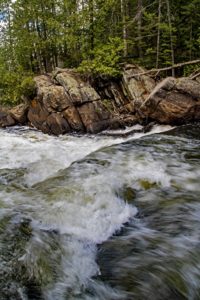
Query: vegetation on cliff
93, 36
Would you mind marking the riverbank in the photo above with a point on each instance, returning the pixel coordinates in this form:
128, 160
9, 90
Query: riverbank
64, 101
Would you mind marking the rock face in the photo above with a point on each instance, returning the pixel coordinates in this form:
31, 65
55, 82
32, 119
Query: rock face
66, 102
138, 87
173, 101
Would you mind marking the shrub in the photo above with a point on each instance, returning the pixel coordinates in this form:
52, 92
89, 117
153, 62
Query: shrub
13, 85
104, 59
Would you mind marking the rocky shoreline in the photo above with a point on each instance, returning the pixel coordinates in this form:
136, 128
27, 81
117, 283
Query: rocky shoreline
66, 102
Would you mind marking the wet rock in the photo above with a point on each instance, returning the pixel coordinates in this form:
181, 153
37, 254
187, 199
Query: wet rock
95, 116
19, 113
173, 101
6, 119
73, 118
37, 115
28, 257
56, 124
146, 184
15, 232
128, 194
129, 120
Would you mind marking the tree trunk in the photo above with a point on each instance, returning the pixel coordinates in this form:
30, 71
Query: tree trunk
124, 28
158, 34
171, 37
91, 18
139, 27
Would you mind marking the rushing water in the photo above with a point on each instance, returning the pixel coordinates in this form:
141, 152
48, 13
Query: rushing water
84, 217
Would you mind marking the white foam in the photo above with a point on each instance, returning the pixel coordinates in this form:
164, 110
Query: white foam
82, 206
44, 155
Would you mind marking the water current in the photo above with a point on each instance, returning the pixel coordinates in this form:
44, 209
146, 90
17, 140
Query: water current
100, 217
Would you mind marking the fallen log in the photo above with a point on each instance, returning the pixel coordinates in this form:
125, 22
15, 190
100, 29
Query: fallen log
195, 74
157, 71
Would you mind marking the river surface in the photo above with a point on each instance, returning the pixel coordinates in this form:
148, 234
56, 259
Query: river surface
103, 218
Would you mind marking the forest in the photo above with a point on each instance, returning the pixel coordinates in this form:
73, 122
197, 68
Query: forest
96, 37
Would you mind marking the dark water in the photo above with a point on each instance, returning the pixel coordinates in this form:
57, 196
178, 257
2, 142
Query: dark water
100, 218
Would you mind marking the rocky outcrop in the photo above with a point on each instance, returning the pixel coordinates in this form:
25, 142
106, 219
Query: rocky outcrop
67, 102
173, 101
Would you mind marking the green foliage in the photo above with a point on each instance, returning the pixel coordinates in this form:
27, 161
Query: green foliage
14, 85
91, 35
104, 59
27, 87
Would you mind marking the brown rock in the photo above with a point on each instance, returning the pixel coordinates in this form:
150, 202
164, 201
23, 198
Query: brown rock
72, 116
95, 116
130, 107
129, 120
37, 115
6, 119
188, 86
173, 101
57, 124
19, 113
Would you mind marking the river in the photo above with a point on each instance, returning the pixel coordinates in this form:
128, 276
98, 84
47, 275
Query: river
100, 217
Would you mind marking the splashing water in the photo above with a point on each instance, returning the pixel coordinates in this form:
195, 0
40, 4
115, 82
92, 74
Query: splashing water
96, 217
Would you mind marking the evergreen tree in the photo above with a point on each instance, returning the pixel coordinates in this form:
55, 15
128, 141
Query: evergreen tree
36, 36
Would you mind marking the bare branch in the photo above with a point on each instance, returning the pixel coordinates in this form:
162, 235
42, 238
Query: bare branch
157, 71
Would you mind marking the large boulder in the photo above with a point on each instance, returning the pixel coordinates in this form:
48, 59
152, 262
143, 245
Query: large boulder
66, 103
173, 101
53, 97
